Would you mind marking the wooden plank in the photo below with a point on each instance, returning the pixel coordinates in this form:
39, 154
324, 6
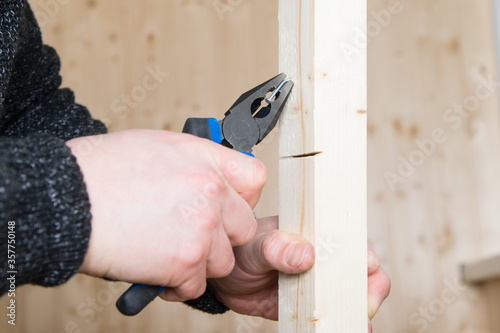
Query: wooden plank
323, 164
482, 271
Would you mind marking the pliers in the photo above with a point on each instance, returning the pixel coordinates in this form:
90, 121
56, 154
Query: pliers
249, 120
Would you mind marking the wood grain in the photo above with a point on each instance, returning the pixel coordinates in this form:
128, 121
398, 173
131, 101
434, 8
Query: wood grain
444, 213
323, 154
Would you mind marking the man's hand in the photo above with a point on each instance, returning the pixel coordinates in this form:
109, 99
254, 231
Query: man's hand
252, 287
167, 208
379, 286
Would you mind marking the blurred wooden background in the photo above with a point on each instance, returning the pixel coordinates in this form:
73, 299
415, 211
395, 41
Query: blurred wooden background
425, 57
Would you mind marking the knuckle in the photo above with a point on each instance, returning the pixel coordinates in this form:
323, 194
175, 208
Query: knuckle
226, 269
271, 244
193, 288
245, 234
214, 185
229, 269
193, 256
208, 223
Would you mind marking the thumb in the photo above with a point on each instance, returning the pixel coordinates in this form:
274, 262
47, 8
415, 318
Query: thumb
281, 251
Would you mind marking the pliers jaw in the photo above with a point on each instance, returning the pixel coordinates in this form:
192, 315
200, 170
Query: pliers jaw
250, 119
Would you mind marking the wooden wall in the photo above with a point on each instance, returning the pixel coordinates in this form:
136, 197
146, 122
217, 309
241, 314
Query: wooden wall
425, 64
424, 58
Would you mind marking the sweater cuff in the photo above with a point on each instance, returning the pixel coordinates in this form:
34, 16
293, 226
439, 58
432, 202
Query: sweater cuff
208, 303
42, 190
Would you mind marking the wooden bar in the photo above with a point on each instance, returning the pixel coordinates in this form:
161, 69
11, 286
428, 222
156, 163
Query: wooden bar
482, 271
323, 163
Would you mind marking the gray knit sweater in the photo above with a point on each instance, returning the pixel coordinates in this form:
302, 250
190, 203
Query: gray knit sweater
43, 198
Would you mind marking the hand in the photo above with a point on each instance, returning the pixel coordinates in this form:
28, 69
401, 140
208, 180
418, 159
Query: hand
167, 208
252, 287
379, 286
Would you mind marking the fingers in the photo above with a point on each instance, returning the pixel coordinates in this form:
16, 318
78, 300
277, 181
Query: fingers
278, 250
217, 261
245, 174
238, 219
192, 283
190, 290
220, 261
170, 295
379, 285
373, 262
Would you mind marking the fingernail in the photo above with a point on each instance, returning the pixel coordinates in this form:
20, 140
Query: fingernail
295, 254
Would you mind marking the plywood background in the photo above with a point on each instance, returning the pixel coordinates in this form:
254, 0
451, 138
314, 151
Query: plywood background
425, 57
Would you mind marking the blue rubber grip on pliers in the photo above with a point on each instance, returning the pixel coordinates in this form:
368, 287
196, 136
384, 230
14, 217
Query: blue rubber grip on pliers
207, 128
138, 296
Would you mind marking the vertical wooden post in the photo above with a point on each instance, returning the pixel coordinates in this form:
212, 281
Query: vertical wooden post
323, 163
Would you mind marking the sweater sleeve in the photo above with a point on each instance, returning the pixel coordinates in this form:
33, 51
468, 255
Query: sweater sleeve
41, 186
33, 100
43, 193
